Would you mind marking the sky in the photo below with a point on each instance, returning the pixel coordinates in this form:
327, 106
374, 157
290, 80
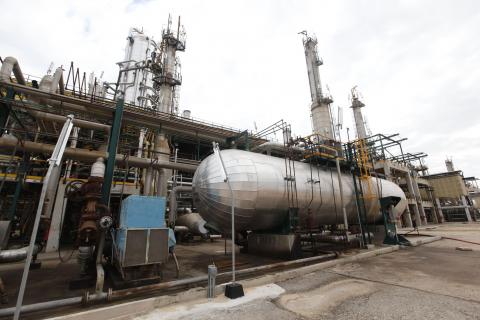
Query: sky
416, 63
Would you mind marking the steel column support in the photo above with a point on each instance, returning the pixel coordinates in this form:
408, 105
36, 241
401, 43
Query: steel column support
411, 190
19, 184
112, 151
440, 212
407, 218
467, 210
107, 184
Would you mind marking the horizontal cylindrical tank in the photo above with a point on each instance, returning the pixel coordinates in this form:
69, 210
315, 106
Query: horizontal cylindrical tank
261, 194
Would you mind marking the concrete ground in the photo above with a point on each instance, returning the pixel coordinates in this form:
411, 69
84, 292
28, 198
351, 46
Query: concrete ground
431, 281
51, 281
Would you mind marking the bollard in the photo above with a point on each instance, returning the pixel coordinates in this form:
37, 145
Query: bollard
212, 274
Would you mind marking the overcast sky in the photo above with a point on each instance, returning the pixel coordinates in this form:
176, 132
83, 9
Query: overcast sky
416, 63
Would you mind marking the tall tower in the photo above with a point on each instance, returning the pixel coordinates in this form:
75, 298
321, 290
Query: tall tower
168, 77
357, 114
449, 165
136, 77
321, 115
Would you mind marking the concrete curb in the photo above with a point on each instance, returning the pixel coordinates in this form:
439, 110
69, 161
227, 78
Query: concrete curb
417, 242
135, 308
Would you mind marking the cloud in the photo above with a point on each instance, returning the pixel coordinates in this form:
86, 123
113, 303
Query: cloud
414, 62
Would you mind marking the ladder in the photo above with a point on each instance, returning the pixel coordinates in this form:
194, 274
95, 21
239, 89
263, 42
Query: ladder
291, 224
365, 168
357, 156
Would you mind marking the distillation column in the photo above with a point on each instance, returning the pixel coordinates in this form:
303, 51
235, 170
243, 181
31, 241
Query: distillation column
357, 115
136, 78
169, 76
321, 115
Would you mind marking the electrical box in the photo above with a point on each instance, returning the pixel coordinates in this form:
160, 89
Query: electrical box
142, 239
137, 246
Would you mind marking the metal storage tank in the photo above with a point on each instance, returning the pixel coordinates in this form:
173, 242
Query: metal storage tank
261, 197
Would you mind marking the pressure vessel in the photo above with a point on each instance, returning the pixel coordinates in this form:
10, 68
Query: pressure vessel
264, 187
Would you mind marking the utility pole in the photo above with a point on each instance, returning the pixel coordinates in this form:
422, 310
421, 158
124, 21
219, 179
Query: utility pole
233, 290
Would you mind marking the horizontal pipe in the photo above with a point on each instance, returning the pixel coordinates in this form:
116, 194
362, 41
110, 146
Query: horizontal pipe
181, 229
119, 294
276, 146
92, 156
76, 122
132, 115
42, 306
15, 255
177, 283
194, 222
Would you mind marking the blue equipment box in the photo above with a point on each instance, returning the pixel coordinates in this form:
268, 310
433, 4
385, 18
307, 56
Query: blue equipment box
143, 212
142, 236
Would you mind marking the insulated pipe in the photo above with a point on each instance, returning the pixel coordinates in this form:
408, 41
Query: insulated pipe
135, 116
194, 222
57, 81
92, 156
172, 206
42, 306
147, 188
15, 255
269, 146
77, 122
162, 152
11, 64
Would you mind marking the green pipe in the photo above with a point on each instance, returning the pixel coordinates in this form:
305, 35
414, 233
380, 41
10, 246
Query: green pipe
112, 151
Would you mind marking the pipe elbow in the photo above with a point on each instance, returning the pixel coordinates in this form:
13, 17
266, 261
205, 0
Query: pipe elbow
10, 64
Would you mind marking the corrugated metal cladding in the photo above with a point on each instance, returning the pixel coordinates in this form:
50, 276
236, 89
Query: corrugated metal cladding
451, 186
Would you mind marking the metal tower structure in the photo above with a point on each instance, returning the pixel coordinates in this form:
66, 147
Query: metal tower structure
167, 78
321, 114
449, 165
357, 114
135, 79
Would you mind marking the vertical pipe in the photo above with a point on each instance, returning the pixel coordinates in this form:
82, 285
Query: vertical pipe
147, 188
342, 202
73, 144
112, 151
162, 152
51, 192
